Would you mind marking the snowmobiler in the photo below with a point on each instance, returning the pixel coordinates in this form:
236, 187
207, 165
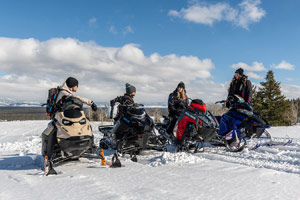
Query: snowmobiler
177, 103
132, 131
240, 85
235, 122
137, 132
69, 133
72, 137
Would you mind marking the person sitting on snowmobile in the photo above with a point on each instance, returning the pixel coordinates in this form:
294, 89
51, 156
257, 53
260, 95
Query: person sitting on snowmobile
177, 103
126, 100
240, 85
65, 90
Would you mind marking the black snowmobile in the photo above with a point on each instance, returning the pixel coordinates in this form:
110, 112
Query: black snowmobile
73, 137
195, 126
132, 132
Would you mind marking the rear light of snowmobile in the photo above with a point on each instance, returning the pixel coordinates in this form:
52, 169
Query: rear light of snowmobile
139, 135
48, 114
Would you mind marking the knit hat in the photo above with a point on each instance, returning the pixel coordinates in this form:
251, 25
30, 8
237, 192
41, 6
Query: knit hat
181, 85
71, 82
129, 88
239, 71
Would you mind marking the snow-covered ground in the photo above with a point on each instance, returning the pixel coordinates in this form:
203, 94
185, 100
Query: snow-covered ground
268, 172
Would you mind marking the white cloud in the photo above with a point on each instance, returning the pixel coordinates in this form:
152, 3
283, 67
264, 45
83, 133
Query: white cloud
247, 12
256, 66
31, 67
289, 79
253, 75
290, 91
207, 90
206, 14
174, 13
284, 65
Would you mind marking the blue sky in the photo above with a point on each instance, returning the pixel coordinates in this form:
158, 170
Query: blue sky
258, 35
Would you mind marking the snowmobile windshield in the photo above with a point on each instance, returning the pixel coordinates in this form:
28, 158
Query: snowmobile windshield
72, 113
207, 120
138, 113
72, 103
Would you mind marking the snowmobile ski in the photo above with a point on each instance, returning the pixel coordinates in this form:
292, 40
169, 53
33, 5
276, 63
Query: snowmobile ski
272, 144
115, 162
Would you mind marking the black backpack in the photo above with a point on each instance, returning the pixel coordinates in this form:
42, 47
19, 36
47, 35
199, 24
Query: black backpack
51, 105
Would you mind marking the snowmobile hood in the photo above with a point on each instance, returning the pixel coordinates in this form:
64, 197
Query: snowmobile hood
69, 127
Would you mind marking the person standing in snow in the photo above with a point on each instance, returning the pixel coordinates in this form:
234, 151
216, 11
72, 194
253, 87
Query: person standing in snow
177, 103
240, 85
67, 89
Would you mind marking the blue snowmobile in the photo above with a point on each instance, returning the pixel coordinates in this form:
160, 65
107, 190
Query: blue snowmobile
239, 123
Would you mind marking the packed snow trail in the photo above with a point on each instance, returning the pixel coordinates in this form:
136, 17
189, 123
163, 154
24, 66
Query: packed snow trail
284, 158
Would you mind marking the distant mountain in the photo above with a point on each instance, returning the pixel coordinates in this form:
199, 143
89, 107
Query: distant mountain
8, 102
147, 105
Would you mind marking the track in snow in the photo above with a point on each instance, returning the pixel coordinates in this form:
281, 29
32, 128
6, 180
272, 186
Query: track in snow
285, 158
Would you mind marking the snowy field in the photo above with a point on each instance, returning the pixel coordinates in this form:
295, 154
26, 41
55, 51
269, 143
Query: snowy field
268, 172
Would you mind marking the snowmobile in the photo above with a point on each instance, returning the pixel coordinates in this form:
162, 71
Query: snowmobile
74, 137
239, 123
195, 126
132, 132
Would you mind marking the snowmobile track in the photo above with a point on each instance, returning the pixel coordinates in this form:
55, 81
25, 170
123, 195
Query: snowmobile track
281, 156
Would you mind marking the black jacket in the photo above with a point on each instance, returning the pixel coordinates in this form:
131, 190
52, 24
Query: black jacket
241, 87
175, 105
124, 101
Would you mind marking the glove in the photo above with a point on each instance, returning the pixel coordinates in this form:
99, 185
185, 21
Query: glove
227, 104
94, 106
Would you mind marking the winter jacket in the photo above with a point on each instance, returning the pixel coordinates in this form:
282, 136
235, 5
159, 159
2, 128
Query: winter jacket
65, 91
123, 100
241, 87
175, 105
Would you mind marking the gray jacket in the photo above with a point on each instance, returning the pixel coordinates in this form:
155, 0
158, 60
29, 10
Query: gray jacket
65, 91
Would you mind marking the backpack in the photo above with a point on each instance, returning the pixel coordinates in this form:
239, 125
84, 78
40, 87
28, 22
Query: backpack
112, 110
51, 105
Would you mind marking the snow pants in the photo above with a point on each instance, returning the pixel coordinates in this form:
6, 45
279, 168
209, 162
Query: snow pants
48, 140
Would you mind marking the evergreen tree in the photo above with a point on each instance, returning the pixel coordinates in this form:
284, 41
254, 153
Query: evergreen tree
270, 103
